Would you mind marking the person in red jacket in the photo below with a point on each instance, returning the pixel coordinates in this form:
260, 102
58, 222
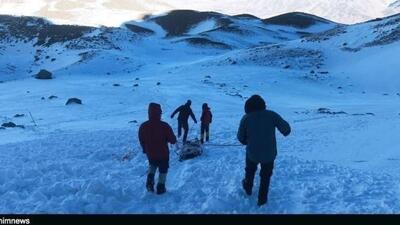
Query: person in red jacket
206, 119
154, 136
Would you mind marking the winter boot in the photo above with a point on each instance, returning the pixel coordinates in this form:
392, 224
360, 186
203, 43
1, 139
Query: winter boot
150, 182
247, 186
161, 188
262, 201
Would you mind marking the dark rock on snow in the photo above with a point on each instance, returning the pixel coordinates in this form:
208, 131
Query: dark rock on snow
9, 124
74, 101
44, 75
328, 111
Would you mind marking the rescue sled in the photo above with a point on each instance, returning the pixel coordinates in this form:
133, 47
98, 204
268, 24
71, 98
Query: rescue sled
189, 150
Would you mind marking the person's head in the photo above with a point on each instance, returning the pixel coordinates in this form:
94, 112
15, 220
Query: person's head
189, 102
204, 106
254, 103
154, 111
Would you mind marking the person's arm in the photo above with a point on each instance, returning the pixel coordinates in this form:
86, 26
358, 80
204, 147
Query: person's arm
192, 115
282, 125
141, 138
210, 117
241, 134
176, 111
171, 138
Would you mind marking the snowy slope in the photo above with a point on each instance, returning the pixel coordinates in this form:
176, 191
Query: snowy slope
339, 90
59, 47
115, 12
345, 50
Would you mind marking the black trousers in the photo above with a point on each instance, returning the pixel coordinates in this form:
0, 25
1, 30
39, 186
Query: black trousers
205, 131
185, 126
265, 176
162, 165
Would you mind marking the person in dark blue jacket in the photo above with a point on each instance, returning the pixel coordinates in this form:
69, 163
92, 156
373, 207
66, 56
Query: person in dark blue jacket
257, 132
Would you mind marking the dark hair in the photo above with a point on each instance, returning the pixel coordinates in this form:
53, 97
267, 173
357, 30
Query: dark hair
254, 103
189, 102
204, 106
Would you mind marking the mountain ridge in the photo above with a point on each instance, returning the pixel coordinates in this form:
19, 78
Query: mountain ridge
113, 13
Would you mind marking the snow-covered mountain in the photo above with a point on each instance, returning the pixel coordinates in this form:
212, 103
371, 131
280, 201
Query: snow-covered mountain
114, 12
395, 4
41, 39
337, 85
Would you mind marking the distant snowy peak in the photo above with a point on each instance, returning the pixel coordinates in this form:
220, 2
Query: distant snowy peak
395, 4
115, 12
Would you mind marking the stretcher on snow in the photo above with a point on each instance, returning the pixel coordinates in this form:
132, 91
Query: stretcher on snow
189, 150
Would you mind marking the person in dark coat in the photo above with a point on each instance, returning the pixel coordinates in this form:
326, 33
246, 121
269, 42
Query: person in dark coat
257, 132
154, 136
184, 112
206, 119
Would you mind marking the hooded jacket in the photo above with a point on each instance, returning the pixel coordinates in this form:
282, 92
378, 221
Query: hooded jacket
206, 115
257, 131
154, 135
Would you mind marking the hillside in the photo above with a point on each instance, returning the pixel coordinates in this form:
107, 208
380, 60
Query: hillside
337, 85
39, 43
